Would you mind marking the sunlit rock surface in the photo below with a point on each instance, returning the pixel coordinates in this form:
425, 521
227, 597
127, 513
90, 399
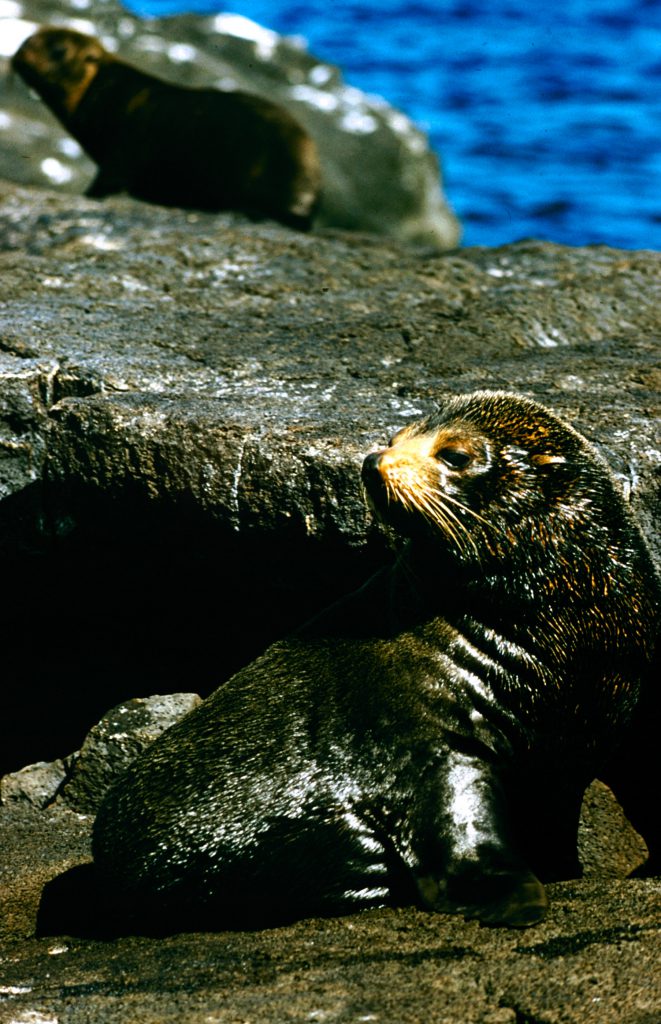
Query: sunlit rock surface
379, 172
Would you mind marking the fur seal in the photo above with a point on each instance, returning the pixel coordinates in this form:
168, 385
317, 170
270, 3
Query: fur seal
169, 144
429, 738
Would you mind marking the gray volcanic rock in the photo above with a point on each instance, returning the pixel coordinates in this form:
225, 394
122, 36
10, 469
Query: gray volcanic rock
36, 784
115, 741
379, 172
247, 369
185, 401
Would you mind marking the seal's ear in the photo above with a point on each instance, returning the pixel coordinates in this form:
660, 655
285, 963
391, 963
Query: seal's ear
547, 459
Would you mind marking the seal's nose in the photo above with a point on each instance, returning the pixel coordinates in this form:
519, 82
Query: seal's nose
370, 471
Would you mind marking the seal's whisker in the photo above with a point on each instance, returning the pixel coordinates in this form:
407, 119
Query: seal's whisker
440, 516
470, 511
425, 501
443, 522
436, 502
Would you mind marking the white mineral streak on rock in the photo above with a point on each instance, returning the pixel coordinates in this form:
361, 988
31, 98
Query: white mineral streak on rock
405, 408
10, 9
548, 339
355, 114
32, 1017
13, 32
126, 28
226, 84
265, 40
151, 44
180, 53
499, 272
359, 123
101, 242
236, 481
131, 284
314, 97
80, 25
69, 147
321, 74
400, 123
55, 171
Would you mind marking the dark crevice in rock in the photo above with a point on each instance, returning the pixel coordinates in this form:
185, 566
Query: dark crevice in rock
113, 598
71, 382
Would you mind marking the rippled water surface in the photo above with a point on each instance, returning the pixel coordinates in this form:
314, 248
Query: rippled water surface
547, 116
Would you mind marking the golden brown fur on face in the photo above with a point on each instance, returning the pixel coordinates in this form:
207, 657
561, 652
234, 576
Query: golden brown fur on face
59, 64
496, 482
417, 471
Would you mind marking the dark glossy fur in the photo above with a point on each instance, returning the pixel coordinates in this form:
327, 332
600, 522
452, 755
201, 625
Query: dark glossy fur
428, 739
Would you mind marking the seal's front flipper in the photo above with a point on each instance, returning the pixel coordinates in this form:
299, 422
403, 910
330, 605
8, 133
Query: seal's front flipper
510, 898
473, 867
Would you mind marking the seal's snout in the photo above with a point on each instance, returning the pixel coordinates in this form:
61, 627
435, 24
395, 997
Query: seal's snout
19, 57
371, 463
372, 471
29, 50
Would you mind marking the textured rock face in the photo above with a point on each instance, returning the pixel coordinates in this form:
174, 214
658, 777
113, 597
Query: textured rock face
82, 779
379, 173
185, 401
36, 784
115, 741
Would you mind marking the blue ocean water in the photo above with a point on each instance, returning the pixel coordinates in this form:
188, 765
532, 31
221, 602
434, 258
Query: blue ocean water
547, 116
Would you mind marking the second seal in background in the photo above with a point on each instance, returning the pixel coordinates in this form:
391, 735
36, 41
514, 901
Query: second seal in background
196, 148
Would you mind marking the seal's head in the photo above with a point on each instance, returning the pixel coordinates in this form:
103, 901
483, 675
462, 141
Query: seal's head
59, 64
494, 478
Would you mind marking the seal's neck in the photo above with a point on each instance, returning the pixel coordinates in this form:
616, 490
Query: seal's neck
424, 585
427, 584
101, 116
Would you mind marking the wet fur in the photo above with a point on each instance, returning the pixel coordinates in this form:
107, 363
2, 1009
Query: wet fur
429, 739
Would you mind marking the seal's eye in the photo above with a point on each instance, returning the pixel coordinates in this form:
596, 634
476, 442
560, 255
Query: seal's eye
58, 52
455, 458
